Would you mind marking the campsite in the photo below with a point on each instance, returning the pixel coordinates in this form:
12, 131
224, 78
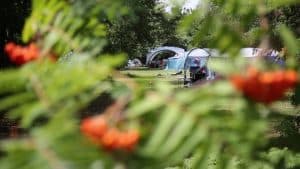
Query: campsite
183, 68
150, 84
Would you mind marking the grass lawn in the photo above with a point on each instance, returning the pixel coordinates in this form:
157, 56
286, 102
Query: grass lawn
148, 76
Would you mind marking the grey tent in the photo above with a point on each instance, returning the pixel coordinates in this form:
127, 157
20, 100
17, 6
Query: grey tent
176, 62
196, 58
153, 53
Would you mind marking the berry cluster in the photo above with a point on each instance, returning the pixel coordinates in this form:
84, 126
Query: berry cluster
265, 87
97, 129
21, 55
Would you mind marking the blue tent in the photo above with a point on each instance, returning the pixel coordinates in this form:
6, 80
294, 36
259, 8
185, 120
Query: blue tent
175, 63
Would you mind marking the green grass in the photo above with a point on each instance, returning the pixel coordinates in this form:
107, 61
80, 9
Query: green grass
148, 76
285, 107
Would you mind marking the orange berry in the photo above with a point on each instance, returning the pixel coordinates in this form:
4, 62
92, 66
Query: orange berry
17, 55
9, 47
265, 87
238, 82
252, 72
125, 140
122, 141
132, 138
30, 55
291, 78
110, 139
21, 55
267, 78
94, 127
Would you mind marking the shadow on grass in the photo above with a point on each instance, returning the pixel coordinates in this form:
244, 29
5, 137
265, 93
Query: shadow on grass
289, 130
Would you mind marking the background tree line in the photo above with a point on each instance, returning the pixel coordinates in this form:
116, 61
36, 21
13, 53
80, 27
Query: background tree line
148, 26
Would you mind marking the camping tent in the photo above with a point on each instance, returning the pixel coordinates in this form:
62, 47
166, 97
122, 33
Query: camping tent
175, 62
196, 61
196, 58
250, 52
269, 55
213, 52
134, 63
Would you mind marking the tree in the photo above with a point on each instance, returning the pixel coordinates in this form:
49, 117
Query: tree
146, 27
286, 15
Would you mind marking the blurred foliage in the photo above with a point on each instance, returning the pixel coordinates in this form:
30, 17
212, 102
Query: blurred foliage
52, 23
245, 19
14, 12
212, 126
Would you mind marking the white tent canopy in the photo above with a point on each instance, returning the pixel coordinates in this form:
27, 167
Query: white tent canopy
250, 52
244, 52
195, 57
198, 53
213, 52
183, 59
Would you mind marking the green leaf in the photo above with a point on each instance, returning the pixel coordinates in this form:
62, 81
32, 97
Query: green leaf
291, 43
168, 119
197, 136
152, 102
178, 135
208, 159
32, 114
16, 100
